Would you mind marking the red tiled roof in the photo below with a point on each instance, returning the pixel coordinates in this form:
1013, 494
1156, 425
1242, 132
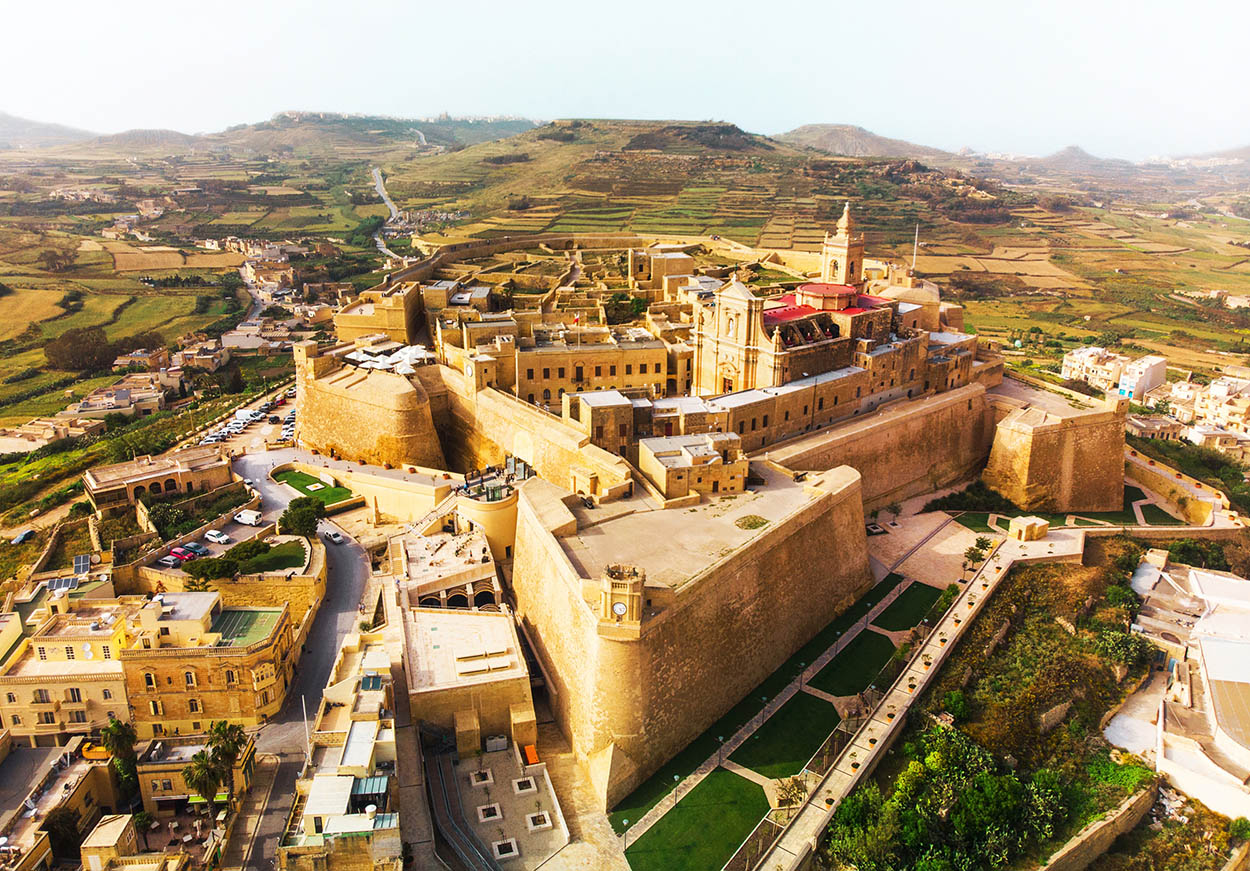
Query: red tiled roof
788, 313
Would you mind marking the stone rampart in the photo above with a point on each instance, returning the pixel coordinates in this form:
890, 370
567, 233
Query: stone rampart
372, 416
629, 702
484, 427
1047, 462
404, 497
902, 450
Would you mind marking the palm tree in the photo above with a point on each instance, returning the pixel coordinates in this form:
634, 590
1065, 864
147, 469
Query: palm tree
143, 820
226, 741
203, 774
118, 738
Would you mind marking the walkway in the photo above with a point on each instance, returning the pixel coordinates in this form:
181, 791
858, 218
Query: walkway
875, 737
721, 757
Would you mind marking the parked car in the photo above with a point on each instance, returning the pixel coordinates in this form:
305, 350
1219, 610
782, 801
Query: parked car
273, 418
334, 536
196, 548
216, 536
248, 518
169, 562
182, 553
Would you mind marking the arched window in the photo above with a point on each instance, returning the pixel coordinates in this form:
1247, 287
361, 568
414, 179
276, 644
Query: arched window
149, 680
547, 393
189, 677
231, 679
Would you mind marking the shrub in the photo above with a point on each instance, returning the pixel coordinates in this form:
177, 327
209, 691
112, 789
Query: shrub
247, 550
211, 568
1125, 648
975, 497
956, 705
1239, 829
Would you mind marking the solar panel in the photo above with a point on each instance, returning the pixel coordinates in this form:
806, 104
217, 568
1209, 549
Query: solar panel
58, 584
82, 563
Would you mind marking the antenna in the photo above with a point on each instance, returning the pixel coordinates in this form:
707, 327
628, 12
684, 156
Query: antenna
914, 248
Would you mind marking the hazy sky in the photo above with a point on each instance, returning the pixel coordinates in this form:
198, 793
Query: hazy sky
1127, 79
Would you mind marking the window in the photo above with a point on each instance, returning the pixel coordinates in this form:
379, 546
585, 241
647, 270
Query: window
629, 368
43, 653
167, 784
107, 651
17, 721
786, 416
546, 394
765, 420
611, 370
858, 391
264, 697
11, 698
598, 371
598, 432
531, 398
107, 694
73, 694
164, 630
46, 718
193, 705
41, 697
529, 373
156, 708
741, 427
230, 678
820, 404
69, 651
560, 372
546, 373
149, 680
189, 677
623, 430
78, 716
642, 368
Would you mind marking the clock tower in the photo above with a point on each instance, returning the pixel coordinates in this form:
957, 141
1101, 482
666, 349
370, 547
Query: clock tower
842, 255
620, 595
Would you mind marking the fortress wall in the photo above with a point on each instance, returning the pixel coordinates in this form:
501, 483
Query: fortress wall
405, 500
902, 450
1162, 480
630, 703
486, 426
379, 417
1044, 463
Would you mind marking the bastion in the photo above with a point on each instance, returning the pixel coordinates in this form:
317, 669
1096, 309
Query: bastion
652, 624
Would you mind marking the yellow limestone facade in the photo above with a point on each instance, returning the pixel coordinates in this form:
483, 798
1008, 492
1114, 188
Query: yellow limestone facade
1050, 461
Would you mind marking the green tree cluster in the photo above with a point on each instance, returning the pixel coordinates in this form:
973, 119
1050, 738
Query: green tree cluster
301, 516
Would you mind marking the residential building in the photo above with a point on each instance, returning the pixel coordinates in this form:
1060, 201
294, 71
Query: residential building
209, 356
1141, 376
1097, 367
1163, 428
35, 782
187, 470
346, 815
114, 843
192, 661
149, 359
135, 395
45, 430
164, 790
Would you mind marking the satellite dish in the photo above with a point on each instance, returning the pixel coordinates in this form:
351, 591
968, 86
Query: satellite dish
87, 652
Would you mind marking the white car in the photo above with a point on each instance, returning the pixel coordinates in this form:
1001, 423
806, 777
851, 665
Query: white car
216, 536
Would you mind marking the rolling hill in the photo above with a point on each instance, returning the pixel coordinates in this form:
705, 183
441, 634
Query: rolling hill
18, 132
851, 141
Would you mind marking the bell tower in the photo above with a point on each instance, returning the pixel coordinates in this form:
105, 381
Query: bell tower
842, 255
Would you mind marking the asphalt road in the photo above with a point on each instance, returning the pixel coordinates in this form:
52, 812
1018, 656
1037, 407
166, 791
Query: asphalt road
347, 568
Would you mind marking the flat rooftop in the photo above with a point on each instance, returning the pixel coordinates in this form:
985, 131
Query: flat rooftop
186, 459
243, 626
444, 558
672, 546
451, 648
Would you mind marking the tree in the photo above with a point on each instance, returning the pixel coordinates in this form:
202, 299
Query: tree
79, 349
301, 516
226, 741
143, 820
204, 775
984, 542
791, 791
61, 824
974, 555
211, 568
119, 738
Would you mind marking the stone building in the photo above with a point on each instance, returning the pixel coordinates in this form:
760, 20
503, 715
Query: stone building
711, 463
394, 312
188, 470
192, 661
163, 789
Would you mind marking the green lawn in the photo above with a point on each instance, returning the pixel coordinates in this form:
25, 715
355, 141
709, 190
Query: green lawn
977, 521
909, 608
301, 482
660, 784
782, 746
288, 555
703, 830
852, 670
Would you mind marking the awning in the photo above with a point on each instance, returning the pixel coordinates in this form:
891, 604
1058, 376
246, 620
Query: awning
375, 785
199, 799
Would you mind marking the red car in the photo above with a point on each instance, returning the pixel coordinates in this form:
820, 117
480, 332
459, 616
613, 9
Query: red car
182, 553
281, 400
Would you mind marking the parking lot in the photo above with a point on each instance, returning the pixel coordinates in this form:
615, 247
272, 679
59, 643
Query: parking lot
269, 419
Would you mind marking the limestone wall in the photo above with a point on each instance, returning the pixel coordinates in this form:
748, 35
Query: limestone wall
1096, 838
376, 417
628, 704
407, 498
902, 450
557, 451
1044, 462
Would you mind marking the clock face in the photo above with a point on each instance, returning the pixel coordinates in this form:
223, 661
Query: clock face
619, 609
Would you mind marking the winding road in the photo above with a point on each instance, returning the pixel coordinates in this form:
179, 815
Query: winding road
380, 186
